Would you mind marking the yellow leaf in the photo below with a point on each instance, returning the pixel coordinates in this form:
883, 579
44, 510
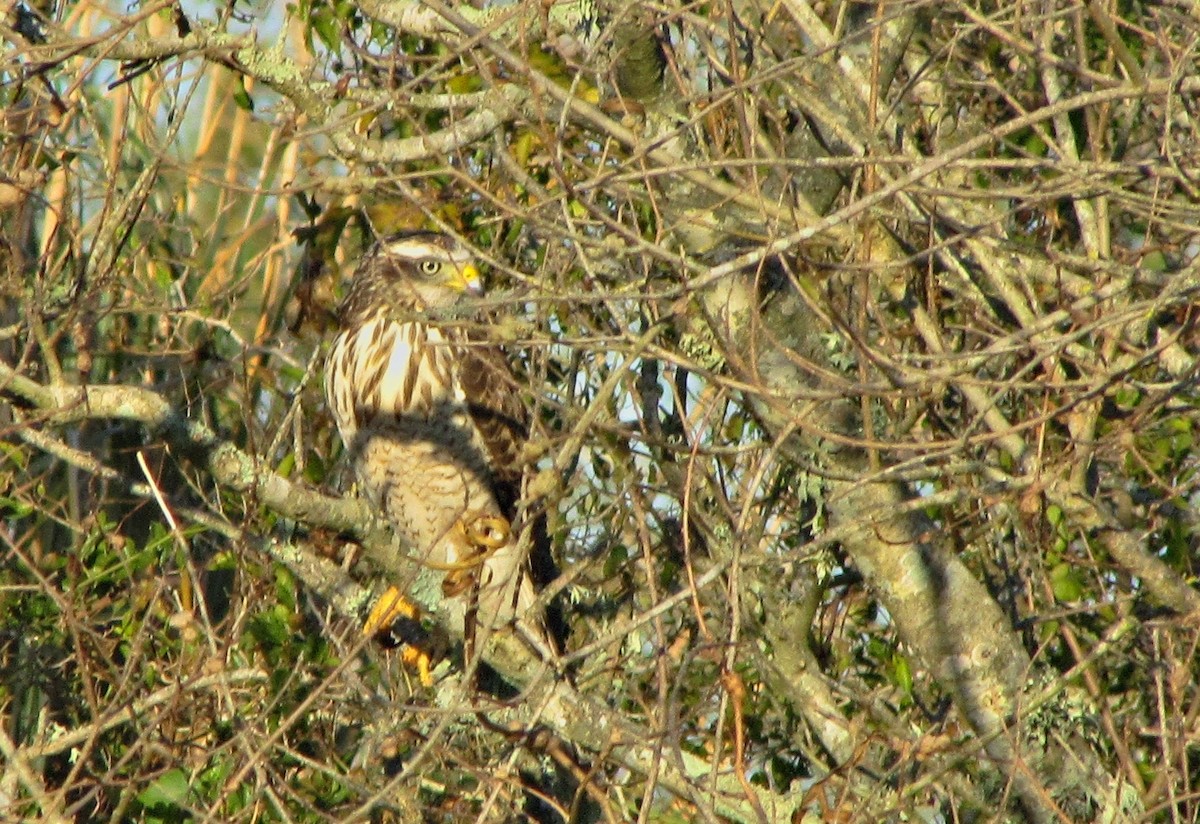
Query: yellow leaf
464, 83
523, 146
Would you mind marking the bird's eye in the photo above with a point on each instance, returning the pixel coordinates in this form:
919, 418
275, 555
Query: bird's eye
429, 266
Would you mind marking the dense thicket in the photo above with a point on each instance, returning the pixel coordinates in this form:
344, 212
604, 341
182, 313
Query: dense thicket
861, 341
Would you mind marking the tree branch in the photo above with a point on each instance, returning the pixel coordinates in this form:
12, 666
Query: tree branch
549, 700
230, 466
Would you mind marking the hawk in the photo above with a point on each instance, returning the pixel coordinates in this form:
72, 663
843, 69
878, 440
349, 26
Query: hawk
434, 428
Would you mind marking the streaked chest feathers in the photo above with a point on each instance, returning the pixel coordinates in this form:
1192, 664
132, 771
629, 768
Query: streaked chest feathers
387, 371
402, 413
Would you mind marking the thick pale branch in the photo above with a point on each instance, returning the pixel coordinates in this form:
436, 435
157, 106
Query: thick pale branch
425, 20
230, 466
551, 701
947, 617
80, 735
317, 100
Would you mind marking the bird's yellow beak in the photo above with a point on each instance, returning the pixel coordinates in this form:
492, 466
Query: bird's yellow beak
467, 279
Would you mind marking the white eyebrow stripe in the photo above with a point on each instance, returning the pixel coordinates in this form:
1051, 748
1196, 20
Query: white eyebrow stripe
413, 251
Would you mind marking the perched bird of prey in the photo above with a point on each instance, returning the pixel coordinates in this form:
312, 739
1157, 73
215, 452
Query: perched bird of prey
434, 428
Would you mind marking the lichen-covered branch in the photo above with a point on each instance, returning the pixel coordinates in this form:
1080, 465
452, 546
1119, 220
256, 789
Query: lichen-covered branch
550, 700
230, 466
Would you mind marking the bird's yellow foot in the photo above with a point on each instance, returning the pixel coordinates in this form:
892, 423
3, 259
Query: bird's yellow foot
479, 535
391, 607
416, 657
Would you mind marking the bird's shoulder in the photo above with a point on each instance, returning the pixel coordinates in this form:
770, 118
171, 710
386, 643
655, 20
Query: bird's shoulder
495, 403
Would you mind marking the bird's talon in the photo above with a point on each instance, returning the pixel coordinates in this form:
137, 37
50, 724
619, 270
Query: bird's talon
481, 535
485, 531
456, 582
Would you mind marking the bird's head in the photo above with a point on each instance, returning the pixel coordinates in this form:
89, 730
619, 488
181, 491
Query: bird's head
419, 270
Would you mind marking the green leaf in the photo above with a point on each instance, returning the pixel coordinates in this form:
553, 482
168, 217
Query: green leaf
315, 468
1179, 424
1034, 145
902, 673
223, 561
292, 373
616, 559
284, 470
285, 587
13, 508
1127, 397
465, 83
1155, 261
14, 453
667, 573
1066, 582
169, 790
241, 97
523, 146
